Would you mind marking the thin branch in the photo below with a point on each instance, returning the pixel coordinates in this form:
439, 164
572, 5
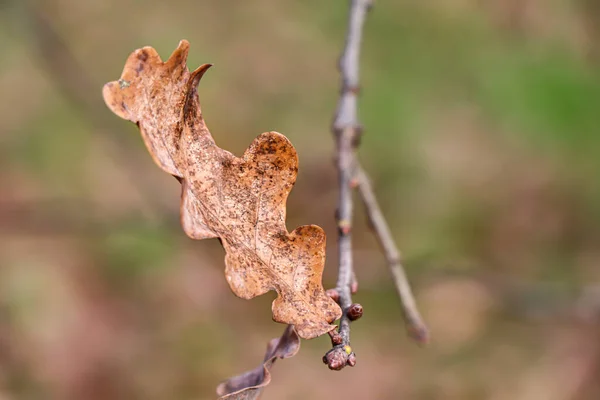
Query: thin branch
414, 323
346, 130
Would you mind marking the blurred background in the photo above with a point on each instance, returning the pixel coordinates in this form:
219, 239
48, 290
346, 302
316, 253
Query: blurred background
482, 122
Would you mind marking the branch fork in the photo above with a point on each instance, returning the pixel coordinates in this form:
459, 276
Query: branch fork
347, 131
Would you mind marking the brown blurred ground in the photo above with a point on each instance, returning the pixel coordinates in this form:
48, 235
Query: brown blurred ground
482, 137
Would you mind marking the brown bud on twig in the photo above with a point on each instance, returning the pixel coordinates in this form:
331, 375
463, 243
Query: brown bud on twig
355, 311
358, 132
334, 294
344, 226
354, 287
336, 358
336, 338
351, 360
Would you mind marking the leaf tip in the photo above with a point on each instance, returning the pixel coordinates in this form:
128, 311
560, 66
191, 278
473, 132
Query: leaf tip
198, 73
183, 44
179, 56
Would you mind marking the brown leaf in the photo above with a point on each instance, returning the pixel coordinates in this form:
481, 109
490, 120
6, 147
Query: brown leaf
249, 385
240, 200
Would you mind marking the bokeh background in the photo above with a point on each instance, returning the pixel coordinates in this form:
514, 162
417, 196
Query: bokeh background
482, 123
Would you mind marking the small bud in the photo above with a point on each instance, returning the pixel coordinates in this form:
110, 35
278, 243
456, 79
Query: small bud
335, 359
354, 287
358, 132
344, 226
355, 311
336, 364
334, 294
336, 338
354, 183
351, 360
354, 89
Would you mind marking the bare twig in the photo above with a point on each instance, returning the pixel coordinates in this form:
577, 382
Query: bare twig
414, 323
346, 130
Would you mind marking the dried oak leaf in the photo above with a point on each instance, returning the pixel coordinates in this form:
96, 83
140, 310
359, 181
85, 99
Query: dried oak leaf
239, 200
249, 385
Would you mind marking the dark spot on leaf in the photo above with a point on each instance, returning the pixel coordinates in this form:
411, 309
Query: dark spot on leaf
142, 55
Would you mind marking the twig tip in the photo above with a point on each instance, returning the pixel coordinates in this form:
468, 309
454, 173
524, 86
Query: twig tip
419, 333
